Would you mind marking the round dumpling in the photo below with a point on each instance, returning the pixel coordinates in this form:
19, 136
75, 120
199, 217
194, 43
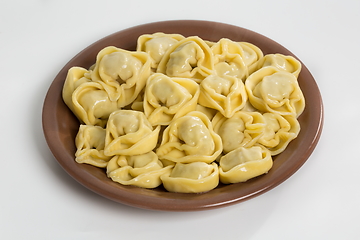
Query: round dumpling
122, 73
195, 177
243, 164
190, 138
226, 94
168, 98
276, 91
188, 58
128, 132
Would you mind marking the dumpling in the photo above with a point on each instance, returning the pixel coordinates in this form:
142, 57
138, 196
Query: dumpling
195, 177
243, 129
74, 78
128, 132
142, 170
279, 132
251, 53
243, 164
122, 73
228, 59
91, 104
190, 139
156, 45
188, 58
226, 94
168, 98
90, 143
272, 90
282, 62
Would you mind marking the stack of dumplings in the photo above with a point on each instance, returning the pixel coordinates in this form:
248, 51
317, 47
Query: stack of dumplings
184, 112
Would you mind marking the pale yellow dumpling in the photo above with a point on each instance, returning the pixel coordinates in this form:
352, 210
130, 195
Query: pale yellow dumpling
128, 132
91, 104
156, 45
229, 59
279, 132
189, 139
243, 164
282, 62
142, 170
168, 98
188, 58
243, 129
195, 177
90, 143
272, 90
226, 94
122, 73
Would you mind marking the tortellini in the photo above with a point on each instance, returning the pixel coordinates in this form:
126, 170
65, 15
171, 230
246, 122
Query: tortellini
189, 58
272, 90
244, 163
90, 144
168, 98
190, 138
184, 112
129, 133
195, 177
142, 170
224, 93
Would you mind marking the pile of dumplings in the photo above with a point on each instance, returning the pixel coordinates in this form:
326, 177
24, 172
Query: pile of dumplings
184, 112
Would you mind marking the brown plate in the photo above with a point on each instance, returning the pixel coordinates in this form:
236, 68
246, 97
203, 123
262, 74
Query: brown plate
60, 126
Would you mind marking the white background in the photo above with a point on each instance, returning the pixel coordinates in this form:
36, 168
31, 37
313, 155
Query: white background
40, 200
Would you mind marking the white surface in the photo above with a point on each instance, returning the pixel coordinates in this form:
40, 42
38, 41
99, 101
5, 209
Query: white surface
41, 201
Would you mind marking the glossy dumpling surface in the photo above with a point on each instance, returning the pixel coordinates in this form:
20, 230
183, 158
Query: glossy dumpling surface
273, 90
142, 170
226, 94
168, 98
128, 132
243, 164
195, 177
189, 139
90, 143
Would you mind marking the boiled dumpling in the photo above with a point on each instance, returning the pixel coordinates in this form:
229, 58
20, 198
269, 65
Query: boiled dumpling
90, 143
188, 58
168, 98
91, 104
226, 94
243, 164
189, 139
195, 177
142, 170
243, 129
122, 73
156, 45
229, 59
272, 90
128, 132
279, 131
282, 62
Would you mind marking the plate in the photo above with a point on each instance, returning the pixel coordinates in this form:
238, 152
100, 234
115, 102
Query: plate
60, 126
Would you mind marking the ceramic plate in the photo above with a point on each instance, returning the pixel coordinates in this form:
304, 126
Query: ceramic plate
60, 126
